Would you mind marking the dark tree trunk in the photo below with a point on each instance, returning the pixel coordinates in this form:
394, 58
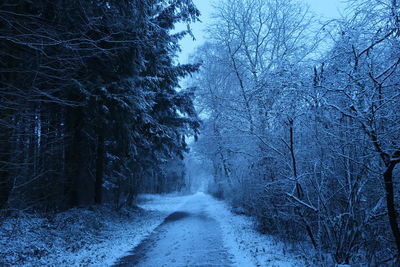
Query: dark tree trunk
5, 160
299, 190
98, 197
73, 155
390, 202
5, 181
388, 179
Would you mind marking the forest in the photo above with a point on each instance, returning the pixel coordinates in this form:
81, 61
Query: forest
302, 125
89, 103
292, 120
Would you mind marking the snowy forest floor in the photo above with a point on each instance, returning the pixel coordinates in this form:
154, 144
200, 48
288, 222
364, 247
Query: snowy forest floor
101, 236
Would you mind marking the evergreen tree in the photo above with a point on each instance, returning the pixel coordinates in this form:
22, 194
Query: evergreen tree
89, 97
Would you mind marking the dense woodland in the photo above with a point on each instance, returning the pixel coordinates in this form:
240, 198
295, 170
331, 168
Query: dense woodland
302, 123
90, 105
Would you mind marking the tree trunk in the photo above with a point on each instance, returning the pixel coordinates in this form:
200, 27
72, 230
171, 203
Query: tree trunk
73, 155
391, 209
98, 197
299, 190
5, 153
5, 181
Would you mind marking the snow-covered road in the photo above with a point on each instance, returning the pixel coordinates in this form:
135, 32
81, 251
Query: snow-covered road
167, 230
190, 236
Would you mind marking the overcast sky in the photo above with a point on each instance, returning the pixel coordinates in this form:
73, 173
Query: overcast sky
323, 8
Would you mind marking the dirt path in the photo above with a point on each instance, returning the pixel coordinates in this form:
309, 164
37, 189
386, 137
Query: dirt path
188, 237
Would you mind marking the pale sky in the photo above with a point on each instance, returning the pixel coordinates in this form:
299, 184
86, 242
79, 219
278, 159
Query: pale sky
324, 9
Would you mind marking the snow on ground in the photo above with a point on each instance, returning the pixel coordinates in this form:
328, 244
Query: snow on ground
249, 247
99, 236
189, 237
204, 232
81, 237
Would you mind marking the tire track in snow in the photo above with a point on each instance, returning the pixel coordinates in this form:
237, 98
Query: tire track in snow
188, 237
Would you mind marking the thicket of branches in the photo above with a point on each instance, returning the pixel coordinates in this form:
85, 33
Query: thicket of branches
311, 148
89, 106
